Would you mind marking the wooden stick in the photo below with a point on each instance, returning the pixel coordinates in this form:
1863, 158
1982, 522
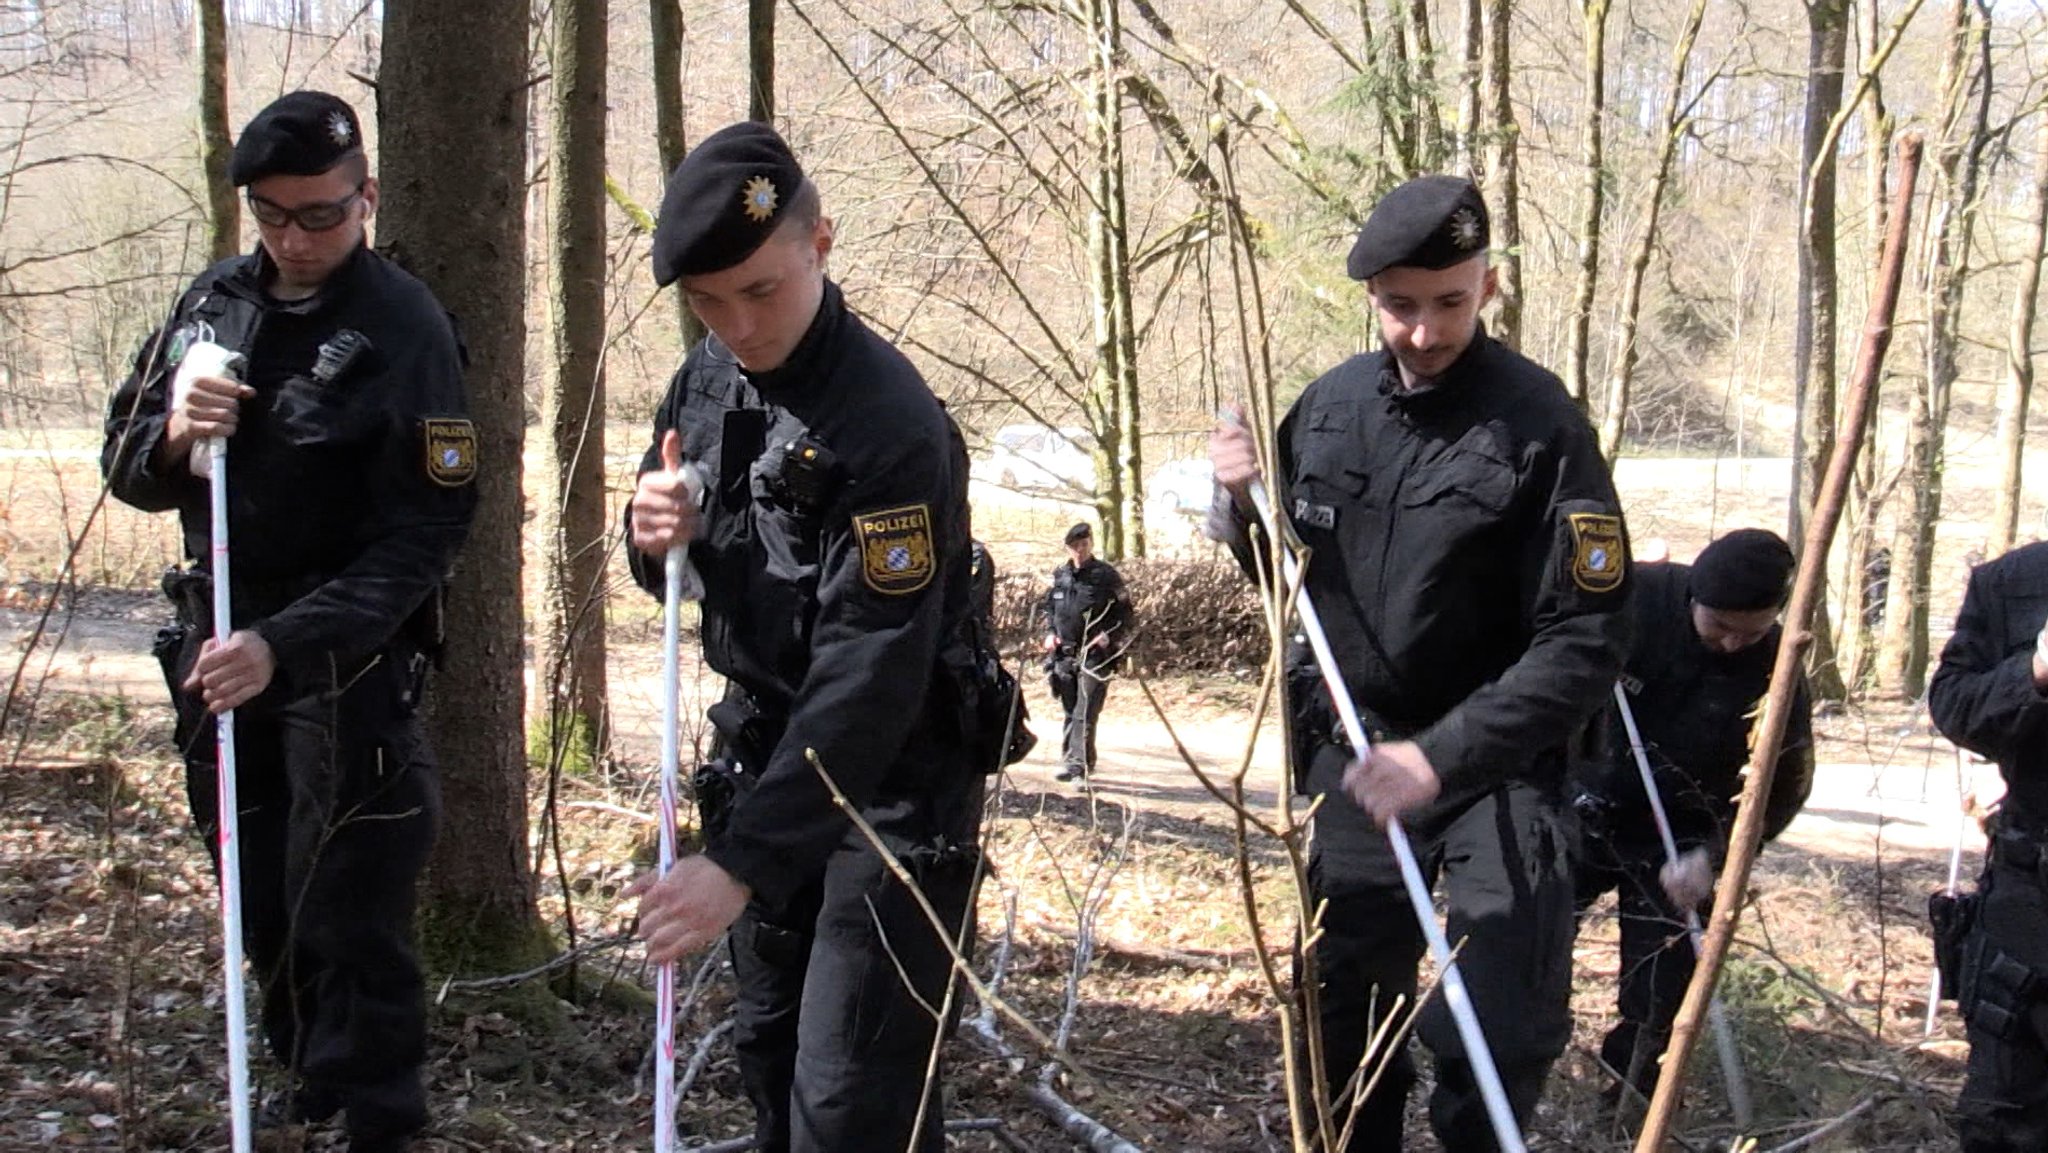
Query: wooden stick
1747, 834
1806, 587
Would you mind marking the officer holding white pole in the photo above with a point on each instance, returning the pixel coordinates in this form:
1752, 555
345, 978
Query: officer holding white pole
1470, 567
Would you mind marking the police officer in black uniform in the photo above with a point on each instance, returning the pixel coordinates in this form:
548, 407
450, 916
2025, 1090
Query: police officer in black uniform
1087, 614
833, 549
1469, 563
350, 462
1990, 696
1706, 639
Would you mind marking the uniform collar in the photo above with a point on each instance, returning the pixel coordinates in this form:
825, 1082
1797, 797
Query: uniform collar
263, 271
1444, 389
800, 371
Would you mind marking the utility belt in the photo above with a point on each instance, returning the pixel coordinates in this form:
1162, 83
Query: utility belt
1995, 990
2020, 850
190, 590
414, 650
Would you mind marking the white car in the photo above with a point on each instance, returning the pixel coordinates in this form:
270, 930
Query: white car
1182, 486
1031, 456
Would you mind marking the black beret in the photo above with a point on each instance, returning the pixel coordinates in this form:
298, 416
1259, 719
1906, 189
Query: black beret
1744, 571
298, 134
723, 201
1429, 222
1080, 532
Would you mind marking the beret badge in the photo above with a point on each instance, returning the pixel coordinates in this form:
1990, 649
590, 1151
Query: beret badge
1464, 229
758, 199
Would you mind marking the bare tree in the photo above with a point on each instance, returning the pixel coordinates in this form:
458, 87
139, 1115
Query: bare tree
1855, 644
2016, 388
1813, 367
1676, 124
761, 60
1114, 405
1958, 161
1592, 181
223, 211
1471, 84
452, 97
1503, 172
665, 26
573, 515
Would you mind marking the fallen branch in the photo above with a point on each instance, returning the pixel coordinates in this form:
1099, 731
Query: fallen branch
558, 961
1862, 1107
700, 1056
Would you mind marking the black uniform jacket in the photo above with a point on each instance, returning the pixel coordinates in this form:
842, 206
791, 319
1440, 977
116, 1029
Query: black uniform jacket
350, 472
1087, 603
834, 555
1695, 709
1468, 558
1983, 696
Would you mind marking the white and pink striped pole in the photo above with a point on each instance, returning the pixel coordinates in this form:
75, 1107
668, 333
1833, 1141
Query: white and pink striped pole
679, 583
228, 815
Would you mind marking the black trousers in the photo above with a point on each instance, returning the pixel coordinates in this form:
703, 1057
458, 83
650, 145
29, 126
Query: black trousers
1081, 695
2003, 1107
1656, 952
833, 1043
1502, 865
338, 803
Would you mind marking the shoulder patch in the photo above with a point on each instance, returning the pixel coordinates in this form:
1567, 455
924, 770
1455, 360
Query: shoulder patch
1597, 564
896, 553
451, 450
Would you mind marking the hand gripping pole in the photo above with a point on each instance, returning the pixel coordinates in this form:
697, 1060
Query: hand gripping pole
1507, 1133
1724, 1033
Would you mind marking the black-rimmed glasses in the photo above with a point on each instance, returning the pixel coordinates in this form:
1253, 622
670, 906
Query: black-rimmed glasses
309, 217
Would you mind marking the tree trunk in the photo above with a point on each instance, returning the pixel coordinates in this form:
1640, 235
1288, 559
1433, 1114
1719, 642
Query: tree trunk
665, 18
1814, 367
223, 210
761, 60
1503, 177
1422, 100
1471, 53
1592, 108
1966, 111
2017, 388
573, 518
1856, 644
1622, 364
1109, 280
1130, 441
452, 97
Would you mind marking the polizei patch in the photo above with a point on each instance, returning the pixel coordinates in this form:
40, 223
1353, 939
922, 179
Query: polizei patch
451, 451
1597, 563
895, 548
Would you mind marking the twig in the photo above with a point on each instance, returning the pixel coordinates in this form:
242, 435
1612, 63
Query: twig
615, 810
558, 961
1862, 1107
960, 963
700, 1056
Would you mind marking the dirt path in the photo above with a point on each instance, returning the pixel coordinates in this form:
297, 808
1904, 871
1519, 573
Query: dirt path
1883, 785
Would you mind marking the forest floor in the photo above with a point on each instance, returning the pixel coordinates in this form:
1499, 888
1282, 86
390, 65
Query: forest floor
110, 1021
110, 982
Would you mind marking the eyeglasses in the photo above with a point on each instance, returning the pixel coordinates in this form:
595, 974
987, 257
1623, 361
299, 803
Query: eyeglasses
318, 217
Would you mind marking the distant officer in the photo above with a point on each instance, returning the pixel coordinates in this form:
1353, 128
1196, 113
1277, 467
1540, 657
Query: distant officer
1990, 696
1706, 639
350, 462
1087, 614
833, 548
1469, 563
